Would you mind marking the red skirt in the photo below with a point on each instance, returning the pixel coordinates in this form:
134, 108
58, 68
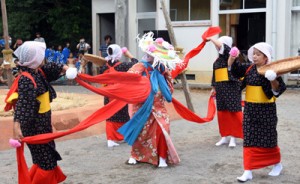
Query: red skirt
231, 123
256, 158
38, 175
111, 131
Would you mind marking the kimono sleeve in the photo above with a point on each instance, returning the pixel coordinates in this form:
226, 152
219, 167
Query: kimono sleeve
52, 71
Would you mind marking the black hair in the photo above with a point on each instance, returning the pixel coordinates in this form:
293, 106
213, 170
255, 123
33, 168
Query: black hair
107, 37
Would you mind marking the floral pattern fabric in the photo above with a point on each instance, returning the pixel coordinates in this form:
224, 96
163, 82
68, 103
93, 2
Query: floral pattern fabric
145, 147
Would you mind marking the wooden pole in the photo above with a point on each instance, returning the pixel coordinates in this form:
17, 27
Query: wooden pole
4, 22
182, 76
7, 52
168, 23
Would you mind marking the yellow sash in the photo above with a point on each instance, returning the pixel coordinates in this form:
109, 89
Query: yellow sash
44, 100
12, 97
255, 94
221, 74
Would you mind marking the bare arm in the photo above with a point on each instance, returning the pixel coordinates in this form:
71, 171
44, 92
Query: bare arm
216, 42
275, 85
128, 54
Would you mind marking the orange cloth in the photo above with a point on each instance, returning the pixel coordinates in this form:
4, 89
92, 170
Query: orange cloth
111, 131
231, 123
256, 158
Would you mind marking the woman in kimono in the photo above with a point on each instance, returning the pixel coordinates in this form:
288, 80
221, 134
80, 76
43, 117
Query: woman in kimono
113, 65
153, 143
32, 112
226, 87
260, 116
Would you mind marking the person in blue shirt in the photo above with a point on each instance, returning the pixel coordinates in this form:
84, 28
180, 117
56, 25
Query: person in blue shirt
66, 52
103, 47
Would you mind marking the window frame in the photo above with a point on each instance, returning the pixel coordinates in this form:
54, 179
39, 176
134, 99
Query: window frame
191, 23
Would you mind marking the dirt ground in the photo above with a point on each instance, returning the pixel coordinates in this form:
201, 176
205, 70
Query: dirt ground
87, 160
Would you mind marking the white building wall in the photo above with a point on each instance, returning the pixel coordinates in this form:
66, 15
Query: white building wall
278, 23
99, 6
133, 29
188, 37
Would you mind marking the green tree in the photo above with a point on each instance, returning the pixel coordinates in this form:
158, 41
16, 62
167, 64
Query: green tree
58, 21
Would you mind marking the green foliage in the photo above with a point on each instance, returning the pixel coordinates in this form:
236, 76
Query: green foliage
58, 21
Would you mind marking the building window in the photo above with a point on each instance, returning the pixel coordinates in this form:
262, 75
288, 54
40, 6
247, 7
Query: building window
296, 2
189, 10
241, 4
146, 6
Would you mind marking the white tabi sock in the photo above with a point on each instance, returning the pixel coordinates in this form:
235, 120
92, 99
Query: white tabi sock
232, 143
162, 162
111, 143
277, 168
247, 175
132, 161
222, 141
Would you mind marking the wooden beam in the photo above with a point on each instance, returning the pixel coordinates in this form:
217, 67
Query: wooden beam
182, 76
7, 52
4, 22
121, 25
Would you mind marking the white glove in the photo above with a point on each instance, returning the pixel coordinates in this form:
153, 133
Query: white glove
71, 73
270, 75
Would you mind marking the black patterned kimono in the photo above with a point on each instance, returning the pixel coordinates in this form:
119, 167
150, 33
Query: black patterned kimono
228, 97
260, 118
27, 112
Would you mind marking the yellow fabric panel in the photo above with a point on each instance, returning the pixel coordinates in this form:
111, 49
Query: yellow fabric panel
44, 100
221, 74
12, 97
255, 94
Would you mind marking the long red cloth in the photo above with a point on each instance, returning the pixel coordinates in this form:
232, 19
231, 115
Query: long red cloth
211, 31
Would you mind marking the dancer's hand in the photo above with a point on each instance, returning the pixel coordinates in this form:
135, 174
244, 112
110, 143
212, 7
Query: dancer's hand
14, 143
17, 133
71, 73
213, 92
270, 75
234, 52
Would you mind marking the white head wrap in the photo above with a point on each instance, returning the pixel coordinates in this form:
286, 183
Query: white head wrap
31, 54
116, 53
226, 40
263, 47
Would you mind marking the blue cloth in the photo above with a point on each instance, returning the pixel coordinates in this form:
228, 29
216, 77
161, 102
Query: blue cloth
66, 53
59, 57
50, 55
133, 127
2, 42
